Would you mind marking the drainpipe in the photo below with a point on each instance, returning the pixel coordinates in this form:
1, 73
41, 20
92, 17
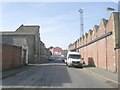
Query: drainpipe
97, 54
106, 52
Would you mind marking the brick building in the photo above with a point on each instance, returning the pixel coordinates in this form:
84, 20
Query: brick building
29, 38
56, 51
100, 47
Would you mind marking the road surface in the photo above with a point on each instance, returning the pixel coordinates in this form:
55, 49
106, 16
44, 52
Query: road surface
55, 75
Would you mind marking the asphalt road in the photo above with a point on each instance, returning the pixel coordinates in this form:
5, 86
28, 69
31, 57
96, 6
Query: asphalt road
55, 75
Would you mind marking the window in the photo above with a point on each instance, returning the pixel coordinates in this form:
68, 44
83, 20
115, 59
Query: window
74, 56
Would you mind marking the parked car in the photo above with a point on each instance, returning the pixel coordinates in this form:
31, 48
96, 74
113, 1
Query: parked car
64, 59
74, 59
57, 58
51, 58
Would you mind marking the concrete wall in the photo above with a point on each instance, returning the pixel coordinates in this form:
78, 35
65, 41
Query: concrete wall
32, 35
44, 53
29, 38
11, 56
98, 47
64, 53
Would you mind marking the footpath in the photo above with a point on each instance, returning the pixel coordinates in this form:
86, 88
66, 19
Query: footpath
110, 76
15, 71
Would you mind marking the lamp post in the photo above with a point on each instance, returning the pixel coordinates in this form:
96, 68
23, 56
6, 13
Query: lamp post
110, 9
119, 6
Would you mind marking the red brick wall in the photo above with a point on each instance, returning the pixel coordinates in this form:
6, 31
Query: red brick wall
110, 54
86, 55
111, 45
102, 45
118, 59
11, 56
94, 50
102, 52
82, 52
89, 56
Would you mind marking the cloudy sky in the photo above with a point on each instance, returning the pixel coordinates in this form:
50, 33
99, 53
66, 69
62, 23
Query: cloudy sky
59, 21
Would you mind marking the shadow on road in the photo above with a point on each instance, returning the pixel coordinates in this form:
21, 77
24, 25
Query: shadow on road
52, 74
88, 66
56, 61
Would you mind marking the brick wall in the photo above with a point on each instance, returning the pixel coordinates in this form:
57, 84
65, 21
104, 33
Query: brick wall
111, 44
99, 45
102, 53
11, 56
118, 59
117, 56
94, 50
85, 55
30, 41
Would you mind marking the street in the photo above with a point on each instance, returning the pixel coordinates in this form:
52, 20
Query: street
55, 75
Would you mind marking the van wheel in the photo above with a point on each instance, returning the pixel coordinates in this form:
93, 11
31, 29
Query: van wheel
81, 67
68, 66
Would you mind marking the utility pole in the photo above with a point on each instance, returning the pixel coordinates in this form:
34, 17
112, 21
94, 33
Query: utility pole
81, 22
119, 6
118, 44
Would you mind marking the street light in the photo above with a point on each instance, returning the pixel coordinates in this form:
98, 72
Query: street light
110, 9
119, 6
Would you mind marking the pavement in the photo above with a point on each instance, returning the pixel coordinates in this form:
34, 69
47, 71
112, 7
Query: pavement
14, 71
108, 75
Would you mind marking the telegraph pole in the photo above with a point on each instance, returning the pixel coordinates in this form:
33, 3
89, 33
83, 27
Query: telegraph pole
118, 44
81, 22
119, 6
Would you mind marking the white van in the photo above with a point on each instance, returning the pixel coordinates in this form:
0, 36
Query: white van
74, 59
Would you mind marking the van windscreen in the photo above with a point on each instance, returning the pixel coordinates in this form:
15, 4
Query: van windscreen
74, 56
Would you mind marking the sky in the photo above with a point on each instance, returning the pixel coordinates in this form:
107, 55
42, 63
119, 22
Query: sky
59, 21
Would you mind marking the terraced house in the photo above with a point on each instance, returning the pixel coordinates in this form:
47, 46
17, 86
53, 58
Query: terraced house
100, 47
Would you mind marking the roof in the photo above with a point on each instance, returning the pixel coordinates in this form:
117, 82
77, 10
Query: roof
29, 29
13, 33
24, 30
105, 22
